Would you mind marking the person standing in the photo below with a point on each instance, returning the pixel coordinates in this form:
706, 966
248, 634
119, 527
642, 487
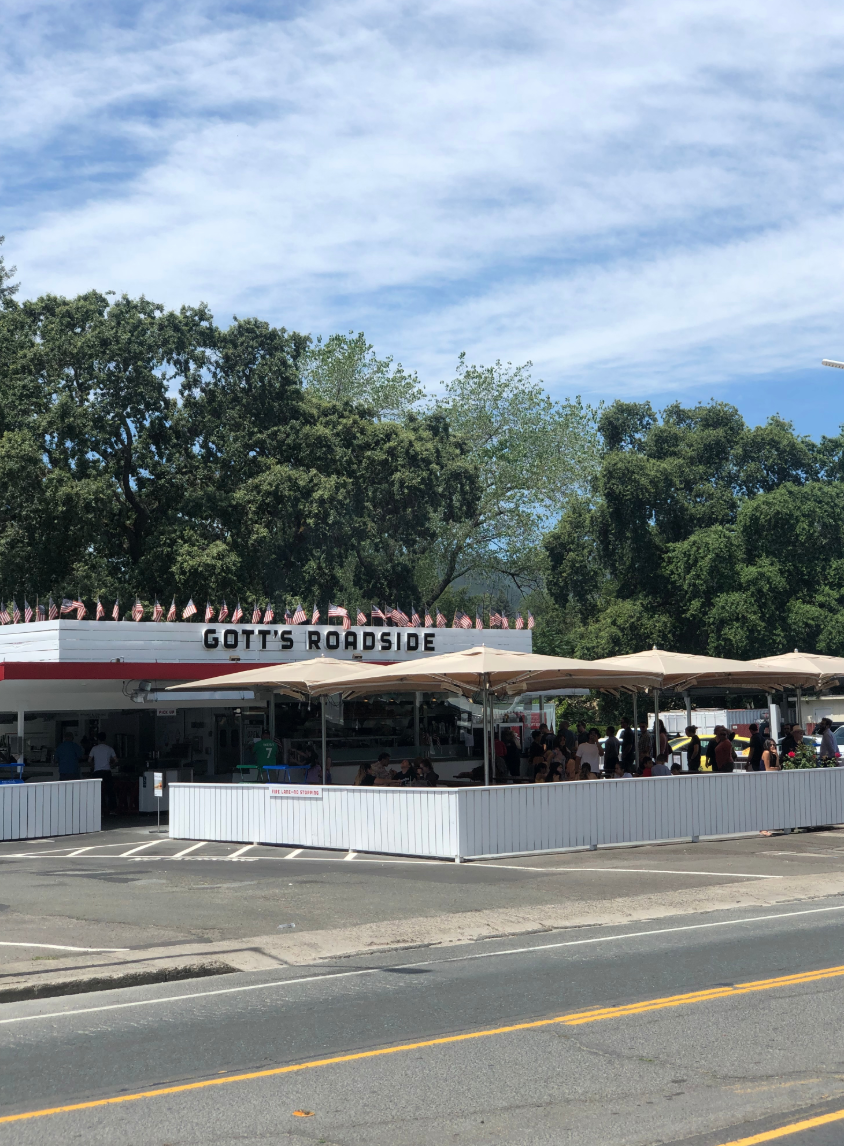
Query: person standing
265, 750
789, 743
590, 751
628, 746
569, 736
693, 751
723, 752
69, 756
103, 756
513, 754
645, 742
829, 748
755, 749
612, 751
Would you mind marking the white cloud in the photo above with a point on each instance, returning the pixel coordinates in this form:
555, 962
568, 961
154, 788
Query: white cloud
629, 193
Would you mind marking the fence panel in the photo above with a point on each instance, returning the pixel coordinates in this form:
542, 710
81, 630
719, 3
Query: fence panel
56, 808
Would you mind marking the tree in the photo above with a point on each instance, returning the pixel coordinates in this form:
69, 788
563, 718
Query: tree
704, 535
345, 368
533, 455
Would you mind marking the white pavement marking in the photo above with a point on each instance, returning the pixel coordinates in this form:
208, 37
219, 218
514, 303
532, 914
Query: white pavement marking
240, 852
291, 856
425, 963
350, 855
79, 851
61, 946
185, 851
639, 870
139, 848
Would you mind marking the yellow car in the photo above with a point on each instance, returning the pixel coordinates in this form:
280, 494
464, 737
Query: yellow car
681, 744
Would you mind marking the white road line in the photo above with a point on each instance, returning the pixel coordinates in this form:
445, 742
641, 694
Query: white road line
639, 870
139, 848
291, 856
240, 852
185, 851
350, 855
79, 851
61, 946
426, 963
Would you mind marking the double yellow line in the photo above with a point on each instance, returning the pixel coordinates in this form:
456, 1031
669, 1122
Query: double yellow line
579, 1018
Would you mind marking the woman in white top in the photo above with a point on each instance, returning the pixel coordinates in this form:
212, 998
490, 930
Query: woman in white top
591, 752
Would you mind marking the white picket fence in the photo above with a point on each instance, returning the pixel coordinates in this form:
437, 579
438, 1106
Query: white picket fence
61, 808
515, 819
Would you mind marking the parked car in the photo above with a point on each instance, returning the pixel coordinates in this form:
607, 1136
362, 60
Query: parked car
681, 744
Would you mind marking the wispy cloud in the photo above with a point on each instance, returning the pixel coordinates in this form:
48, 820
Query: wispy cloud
637, 196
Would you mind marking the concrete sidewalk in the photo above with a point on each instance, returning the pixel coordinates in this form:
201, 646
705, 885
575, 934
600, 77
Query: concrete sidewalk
179, 910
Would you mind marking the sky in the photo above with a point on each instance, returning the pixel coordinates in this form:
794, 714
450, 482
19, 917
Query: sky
643, 199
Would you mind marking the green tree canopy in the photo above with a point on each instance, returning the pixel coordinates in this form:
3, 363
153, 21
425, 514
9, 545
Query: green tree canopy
703, 534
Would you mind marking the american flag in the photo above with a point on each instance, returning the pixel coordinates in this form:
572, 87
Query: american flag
224, 611
288, 616
269, 614
189, 610
4, 614
40, 613
315, 615
67, 606
81, 610
54, 612
237, 615
27, 611
299, 616
16, 613
464, 621
429, 623
157, 611
115, 612
256, 614
442, 623
171, 612
376, 612
520, 621
414, 619
209, 612
400, 618
479, 621
495, 620
361, 618
339, 611
505, 622
100, 610
137, 610
530, 619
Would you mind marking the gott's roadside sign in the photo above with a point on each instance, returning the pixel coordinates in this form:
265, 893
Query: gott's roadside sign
324, 638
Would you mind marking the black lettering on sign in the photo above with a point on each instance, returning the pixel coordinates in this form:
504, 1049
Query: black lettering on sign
248, 634
398, 641
412, 642
429, 642
386, 642
263, 634
313, 639
368, 642
286, 639
332, 639
210, 639
351, 641
230, 639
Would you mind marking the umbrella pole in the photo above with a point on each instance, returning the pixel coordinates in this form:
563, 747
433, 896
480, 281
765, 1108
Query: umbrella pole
486, 734
636, 730
799, 707
324, 746
656, 724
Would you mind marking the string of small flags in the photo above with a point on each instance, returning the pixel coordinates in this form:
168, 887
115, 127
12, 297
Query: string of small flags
74, 608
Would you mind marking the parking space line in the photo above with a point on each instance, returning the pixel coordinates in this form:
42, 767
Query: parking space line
60, 946
240, 851
293, 854
350, 855
139, 848
185, 851
787, 1131
79, 851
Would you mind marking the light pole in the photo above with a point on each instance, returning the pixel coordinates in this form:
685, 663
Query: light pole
832, 362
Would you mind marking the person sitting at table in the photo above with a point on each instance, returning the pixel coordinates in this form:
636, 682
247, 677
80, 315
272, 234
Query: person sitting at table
645, 765
621, 772
676, 769
314, 773
540, 772
660, 768
406, 773
425, 774
555, 775
365, 777
586, 772
381, 769
543, 761
571, 771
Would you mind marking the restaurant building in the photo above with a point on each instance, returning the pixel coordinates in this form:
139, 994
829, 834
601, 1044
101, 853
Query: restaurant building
110, 677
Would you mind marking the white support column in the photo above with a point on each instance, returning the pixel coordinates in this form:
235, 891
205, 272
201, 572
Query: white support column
636, 730
774, 715
656, 724
688, 700
485, 699
21, 727
324, 738
417, 702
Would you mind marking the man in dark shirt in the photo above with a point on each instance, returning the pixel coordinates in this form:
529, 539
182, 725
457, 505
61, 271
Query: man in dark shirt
755, 750
612, 750
68, 757
582, 734
628, 745
569, 736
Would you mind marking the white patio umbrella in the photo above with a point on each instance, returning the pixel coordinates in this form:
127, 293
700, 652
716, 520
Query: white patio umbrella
790, 668
492, 672
300, 679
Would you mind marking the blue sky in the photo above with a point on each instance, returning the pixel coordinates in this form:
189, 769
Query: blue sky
643, 199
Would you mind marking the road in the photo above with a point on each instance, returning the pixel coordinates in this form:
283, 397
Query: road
734, 1063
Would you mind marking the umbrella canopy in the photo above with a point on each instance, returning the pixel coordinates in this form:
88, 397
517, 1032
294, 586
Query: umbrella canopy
301, 679
503, 673
681, 671
789, 668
